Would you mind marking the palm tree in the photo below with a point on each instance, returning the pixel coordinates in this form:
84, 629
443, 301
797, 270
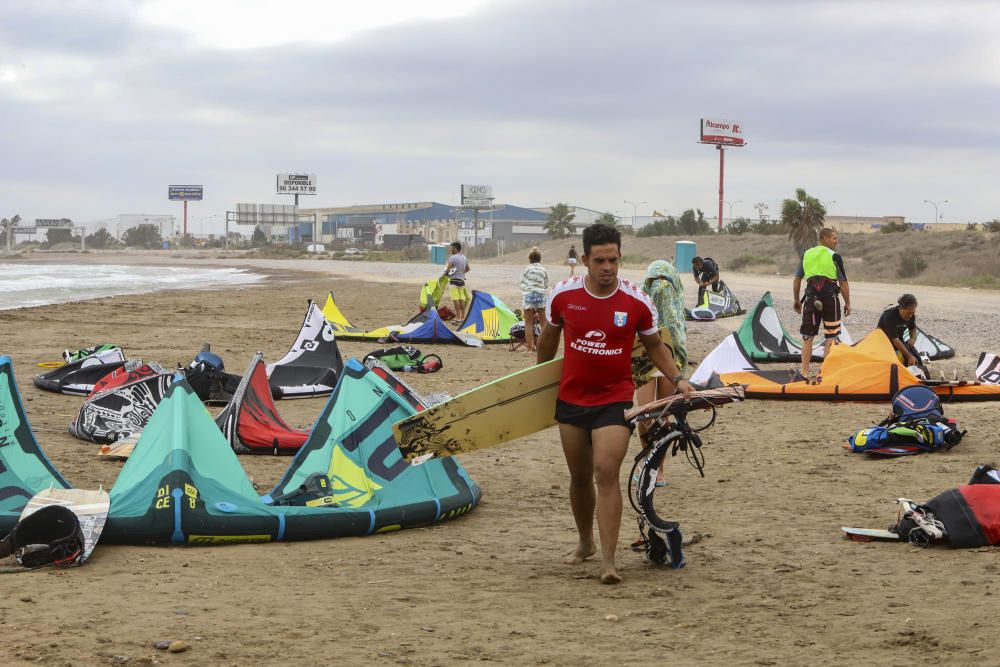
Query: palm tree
559, 223
805, 216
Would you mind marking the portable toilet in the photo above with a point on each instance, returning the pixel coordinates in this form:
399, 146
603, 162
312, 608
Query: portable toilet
439, 254
684, 252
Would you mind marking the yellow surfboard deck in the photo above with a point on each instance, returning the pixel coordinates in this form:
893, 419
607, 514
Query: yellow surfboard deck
511, 407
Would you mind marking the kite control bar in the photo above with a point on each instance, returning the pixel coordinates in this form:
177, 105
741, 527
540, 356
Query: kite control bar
661, 539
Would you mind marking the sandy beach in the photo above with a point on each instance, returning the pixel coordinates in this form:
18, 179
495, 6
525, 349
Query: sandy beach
769, 580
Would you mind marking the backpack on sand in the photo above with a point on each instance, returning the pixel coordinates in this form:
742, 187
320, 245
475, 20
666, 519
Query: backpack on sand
407, 358
915, 425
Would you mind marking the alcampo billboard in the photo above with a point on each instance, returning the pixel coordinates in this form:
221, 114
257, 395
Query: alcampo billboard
721, 132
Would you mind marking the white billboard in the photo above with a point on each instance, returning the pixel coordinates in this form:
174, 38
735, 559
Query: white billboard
54, 223
721, 132
296, 184
477, 195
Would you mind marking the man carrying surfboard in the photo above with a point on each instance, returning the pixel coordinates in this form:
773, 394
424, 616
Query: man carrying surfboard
599, 316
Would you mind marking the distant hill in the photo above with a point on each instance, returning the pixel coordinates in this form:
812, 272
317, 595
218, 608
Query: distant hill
956, 258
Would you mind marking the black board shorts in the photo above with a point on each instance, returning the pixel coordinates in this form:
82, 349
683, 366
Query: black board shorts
829, 317
593, 416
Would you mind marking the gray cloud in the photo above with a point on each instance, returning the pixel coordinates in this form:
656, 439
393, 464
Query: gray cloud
592, 102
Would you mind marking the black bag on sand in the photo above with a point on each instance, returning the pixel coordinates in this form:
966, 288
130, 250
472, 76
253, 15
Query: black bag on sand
51, 535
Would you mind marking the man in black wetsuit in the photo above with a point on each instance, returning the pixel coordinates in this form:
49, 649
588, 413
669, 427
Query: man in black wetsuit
895, 322
706, 272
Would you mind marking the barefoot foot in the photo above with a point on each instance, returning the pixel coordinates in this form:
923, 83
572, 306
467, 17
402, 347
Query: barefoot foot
580, 554
611, 576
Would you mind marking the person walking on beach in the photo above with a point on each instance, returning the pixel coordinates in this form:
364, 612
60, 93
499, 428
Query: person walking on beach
599, 315
455, 269
896, 321
665, 290
533, 284
571, 259
823, 270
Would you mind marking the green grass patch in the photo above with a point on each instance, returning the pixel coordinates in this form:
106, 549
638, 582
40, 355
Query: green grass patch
635, 261
749, 259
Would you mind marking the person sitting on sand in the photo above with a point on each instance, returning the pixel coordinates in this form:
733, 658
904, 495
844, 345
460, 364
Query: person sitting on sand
533, 284
599, 316
898, 320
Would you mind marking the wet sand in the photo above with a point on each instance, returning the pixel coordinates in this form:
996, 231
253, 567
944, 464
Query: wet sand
769, 581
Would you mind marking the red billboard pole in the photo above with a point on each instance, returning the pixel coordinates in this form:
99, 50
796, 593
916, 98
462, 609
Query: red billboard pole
722, 133
186, 214
722, 180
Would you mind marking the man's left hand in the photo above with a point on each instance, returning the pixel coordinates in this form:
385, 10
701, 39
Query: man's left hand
685, 388
847, 309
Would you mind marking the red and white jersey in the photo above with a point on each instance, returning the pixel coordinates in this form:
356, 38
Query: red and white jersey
598, 334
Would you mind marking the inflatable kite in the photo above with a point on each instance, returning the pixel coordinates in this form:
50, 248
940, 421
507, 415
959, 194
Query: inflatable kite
79, 377
714, 305
489, 318
764, 338
867, 371
731, 359
988, 368
251, 423
184, 485
425, 327
122, 402
24, 469
313, 364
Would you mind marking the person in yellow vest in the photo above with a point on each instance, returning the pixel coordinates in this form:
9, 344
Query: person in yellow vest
823, 270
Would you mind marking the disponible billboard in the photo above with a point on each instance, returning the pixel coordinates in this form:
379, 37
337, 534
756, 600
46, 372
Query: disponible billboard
722, 132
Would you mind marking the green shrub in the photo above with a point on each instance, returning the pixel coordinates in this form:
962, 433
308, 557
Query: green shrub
992, 226
893, 227
911, 265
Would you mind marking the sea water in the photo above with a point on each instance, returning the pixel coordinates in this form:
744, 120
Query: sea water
26, 285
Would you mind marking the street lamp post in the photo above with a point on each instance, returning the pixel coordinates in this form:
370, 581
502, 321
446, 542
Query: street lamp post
635, 209
730, 205
935, 204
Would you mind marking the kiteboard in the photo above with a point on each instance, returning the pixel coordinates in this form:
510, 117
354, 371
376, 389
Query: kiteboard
511, 407
118, 451
91, 508
870, 535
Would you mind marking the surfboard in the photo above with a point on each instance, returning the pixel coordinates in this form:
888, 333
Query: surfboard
91, 508
870, 535
511, 407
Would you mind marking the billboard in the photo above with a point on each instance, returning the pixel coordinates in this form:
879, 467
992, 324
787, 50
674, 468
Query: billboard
477, 195
53, 223
296, 184
185, 192
24, 230
266, 214
721, 132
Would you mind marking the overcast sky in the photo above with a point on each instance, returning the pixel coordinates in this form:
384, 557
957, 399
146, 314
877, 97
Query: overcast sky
876, 106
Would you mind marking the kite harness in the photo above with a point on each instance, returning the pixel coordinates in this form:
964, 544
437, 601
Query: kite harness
661, 540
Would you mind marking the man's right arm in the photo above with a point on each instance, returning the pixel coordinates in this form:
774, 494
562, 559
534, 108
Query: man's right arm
796, 289
548, 342
901, 346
